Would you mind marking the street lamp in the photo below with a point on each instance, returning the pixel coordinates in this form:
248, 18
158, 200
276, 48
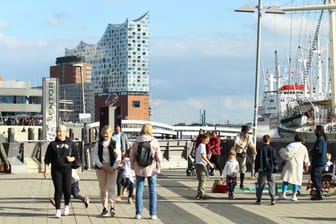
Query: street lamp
251, 9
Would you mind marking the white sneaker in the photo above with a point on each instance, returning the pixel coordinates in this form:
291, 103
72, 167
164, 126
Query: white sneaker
58, 213
153, 217
294, 198
282, 197
138, 216
66, 210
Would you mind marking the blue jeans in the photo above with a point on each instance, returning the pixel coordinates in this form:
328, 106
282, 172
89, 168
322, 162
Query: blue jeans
152, 195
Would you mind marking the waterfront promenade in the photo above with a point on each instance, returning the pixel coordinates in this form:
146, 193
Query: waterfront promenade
24, 198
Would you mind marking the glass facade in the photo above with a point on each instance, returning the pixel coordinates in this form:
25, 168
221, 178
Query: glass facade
120, 59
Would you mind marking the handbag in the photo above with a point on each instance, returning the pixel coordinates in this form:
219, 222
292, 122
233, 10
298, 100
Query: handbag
219, 186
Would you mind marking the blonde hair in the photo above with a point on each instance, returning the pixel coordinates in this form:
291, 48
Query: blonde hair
329, 156
106, 128
146, 129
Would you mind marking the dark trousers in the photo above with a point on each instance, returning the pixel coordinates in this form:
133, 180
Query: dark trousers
130, 185
231, 183
262, 177
216, 159
119, 181
316, 177
75, 191
62, 184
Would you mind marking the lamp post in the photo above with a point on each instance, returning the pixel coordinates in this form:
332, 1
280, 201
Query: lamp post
251, 9
248, 8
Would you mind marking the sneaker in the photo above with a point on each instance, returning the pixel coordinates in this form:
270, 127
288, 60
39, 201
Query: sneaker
241, 186
104, 212
118, 198
130, 201
66, 210
294, 198
272, 202
52, 201
112, 212
86, 202
58, 213
137, 216
154, 217
282, 197
258, 202
198, 197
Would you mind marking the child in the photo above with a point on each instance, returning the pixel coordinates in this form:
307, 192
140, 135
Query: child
230, 171
129, 176
201, 161
329, 164
265, 167
75, 190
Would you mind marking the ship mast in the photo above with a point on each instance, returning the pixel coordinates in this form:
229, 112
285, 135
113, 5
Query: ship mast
331, 7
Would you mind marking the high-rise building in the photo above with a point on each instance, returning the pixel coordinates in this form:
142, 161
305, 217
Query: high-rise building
120, 67
76, 89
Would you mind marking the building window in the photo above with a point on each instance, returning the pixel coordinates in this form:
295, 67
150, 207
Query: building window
136, 103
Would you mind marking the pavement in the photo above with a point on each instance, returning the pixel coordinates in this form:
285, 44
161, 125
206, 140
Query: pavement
24, 198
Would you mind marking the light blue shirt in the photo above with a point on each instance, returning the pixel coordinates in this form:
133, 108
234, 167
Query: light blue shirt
117, 139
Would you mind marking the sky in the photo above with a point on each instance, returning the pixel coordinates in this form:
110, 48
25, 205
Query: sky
202, 53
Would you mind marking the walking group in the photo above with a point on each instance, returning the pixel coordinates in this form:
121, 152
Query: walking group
295, 160
119, 166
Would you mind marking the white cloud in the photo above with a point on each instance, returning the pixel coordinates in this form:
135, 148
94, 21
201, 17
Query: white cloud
56, 19
3, 24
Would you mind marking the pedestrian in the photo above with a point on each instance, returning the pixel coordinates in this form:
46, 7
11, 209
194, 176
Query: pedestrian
61, 154
191, 154
201, 162
150, 172
122, 143
216, 153
329, 166
107, 157
319, 154
242, 143
297, 161
230, 172
129, 177
75, 190
265, 167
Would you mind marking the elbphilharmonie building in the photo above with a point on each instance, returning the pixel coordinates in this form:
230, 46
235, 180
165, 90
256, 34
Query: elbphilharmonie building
120, 67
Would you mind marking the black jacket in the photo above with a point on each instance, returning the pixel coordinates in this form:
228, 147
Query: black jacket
57, 152
266, 159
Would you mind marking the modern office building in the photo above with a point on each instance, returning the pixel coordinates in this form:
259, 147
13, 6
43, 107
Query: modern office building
76, 88
18, 101
120, 67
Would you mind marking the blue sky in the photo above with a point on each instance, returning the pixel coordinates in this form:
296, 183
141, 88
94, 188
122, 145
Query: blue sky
202, 52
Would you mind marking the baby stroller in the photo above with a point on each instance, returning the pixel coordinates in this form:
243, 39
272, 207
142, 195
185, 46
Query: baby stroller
328, 182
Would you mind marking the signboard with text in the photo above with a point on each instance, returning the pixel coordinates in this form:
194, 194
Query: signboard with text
50, 108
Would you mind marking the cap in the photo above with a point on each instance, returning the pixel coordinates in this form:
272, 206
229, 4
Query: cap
245, 128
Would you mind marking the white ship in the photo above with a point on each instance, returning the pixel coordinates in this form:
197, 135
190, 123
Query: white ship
304, 95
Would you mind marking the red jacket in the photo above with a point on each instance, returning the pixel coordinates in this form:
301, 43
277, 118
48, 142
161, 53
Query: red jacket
215, 146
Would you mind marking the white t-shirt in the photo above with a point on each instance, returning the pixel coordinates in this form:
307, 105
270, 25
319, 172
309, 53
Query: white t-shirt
201, 148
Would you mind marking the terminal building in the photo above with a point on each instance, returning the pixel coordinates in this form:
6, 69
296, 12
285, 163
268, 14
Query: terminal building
19, 102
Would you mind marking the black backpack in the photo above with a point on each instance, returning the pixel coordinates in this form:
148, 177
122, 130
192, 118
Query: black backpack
144, 154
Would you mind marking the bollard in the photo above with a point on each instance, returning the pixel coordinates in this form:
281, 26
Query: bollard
10, 137
88, 159
40, 134
30, 134
71, 133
